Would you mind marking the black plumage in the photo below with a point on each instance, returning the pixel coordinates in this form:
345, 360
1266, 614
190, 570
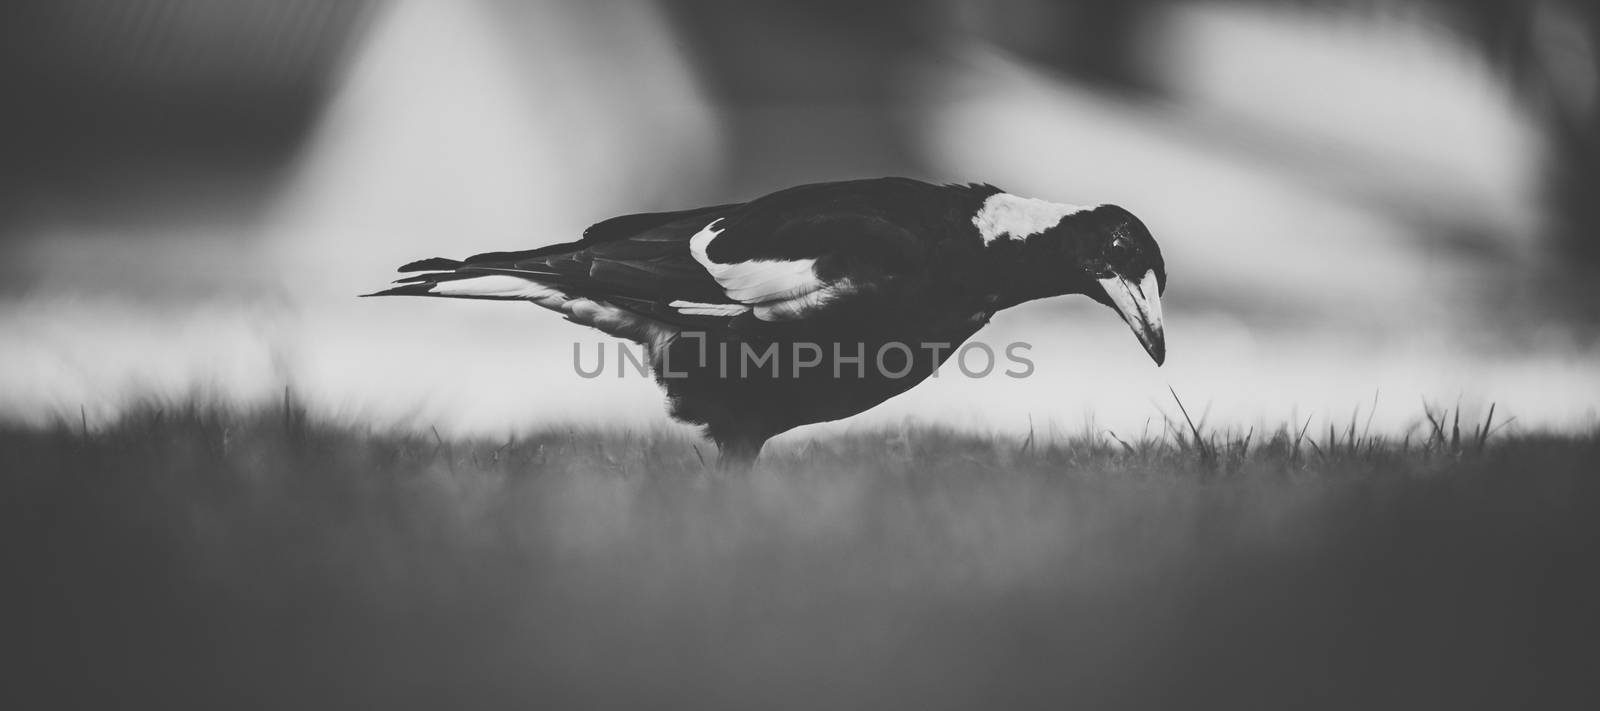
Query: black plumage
887, 269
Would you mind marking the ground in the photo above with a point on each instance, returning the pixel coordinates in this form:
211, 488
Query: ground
204, 558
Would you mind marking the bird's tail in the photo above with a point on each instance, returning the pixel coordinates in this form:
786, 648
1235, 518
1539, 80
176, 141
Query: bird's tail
496, 277
452, 278
431, 265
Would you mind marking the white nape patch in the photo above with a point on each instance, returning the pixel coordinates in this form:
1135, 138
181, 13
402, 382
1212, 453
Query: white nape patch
696, 308
1019, 217
499, 286
778, 289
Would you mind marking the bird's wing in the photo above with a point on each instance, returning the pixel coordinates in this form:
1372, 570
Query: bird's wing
772, 262
803, 265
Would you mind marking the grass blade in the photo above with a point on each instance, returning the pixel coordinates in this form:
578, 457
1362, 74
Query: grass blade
1487, 422
1207, 452
1125, 445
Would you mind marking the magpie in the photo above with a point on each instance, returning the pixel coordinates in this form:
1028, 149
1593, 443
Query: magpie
817, 302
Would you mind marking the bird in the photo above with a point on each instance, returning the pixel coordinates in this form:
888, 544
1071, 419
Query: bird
820, 301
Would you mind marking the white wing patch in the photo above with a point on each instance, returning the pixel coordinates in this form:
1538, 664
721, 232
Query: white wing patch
1019, 217
759, 281
777, 289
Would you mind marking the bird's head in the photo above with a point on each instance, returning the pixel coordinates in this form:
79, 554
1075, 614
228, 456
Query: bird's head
1102, 252
1116, 251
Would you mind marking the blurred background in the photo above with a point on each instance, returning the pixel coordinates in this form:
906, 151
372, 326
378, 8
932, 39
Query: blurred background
1360, 201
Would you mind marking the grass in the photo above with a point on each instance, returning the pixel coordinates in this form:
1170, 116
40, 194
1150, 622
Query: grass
208, 558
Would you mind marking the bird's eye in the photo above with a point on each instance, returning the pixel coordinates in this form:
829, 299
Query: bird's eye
1120, 248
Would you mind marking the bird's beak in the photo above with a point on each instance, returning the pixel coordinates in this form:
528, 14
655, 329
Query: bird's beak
1140, 305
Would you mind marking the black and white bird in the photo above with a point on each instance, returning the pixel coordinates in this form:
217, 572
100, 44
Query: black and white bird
820, 301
